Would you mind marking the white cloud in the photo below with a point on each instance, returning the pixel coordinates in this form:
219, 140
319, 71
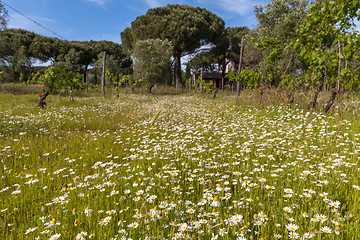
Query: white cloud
19, 21
99, 2
39, 63
241, 7
153, 3
160, 3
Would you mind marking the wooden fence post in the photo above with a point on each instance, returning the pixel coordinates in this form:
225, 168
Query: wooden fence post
103, 75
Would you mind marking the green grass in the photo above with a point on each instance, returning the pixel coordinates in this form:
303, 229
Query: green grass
177, 166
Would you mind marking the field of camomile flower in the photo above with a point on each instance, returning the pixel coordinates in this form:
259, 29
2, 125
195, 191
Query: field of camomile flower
176, 167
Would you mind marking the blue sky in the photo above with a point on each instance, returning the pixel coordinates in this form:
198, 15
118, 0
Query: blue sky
105, 19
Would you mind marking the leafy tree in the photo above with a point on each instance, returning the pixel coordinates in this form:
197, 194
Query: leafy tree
3, 16
227, 47
207, 61
203, 86
247, 78
235, 36
14, 51
91, 50
152, 60
87, 53
118, 82
186, 27
329, 46
51, 81
279, 18
48, 49
82, 55
135, 83
252, 55
117, 64
19, 49
278, 22
72, 82
55, 79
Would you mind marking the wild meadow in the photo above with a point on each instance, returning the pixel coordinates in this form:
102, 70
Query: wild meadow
177, 167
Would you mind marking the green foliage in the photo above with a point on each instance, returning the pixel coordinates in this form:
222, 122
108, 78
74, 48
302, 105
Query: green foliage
275, 51
22, 77
331, 50
280, 18
227, 46
247, 78
111, 77
117, 66
287, 81
188, 84
73, 81
186, 27
278, 22
205, 87
52, 79
206, 61
252, 78
4, 15
94, 165
152, 61
233, 76
124, 80
136, 83
235, 35
118, 82
34, 77
55, 79
19, 49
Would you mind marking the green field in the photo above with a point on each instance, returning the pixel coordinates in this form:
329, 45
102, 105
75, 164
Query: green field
176, 167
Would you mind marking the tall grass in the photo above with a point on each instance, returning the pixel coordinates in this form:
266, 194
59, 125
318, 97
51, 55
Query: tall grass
201, 168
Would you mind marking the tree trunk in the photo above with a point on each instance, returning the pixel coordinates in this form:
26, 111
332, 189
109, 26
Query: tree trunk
223, 72
177, 69
312, 104
337, 87
85, 78
200, 85
332, 98
150, 87
215, 92
70, 95
103, 75
240, 65
238, 88
241, 56
41, 102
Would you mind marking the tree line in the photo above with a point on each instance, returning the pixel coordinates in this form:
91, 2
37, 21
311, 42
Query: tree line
297, 45
21, 49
